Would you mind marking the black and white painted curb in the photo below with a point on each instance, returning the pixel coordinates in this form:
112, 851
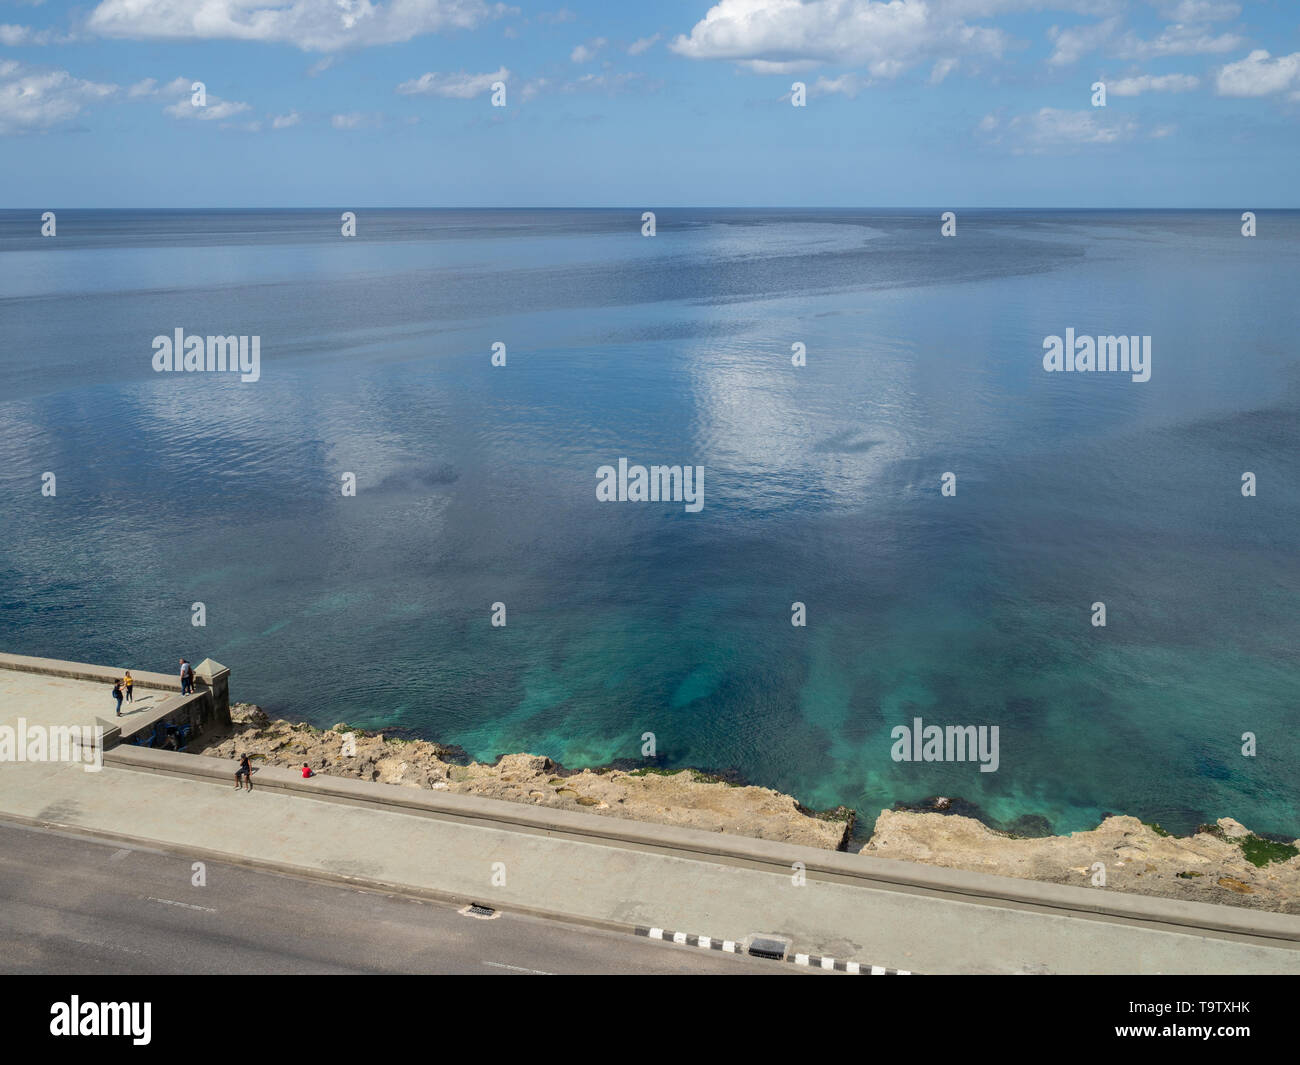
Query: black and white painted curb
731, 946
815, 961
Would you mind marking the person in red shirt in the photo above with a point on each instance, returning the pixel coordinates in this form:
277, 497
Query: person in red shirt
306, 771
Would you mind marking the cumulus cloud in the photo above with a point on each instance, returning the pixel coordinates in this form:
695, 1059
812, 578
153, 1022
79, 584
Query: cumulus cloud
312, 25
845, 85
1051, 129
215, 109
533, 88
285, 121
34, 100
12, 36
1073, 44
585, 53
356, 120
885, 38
642, 44
180, 91
1177, 40
1199, 11
942, 69
608, 84
459, 86
1136, 86
1259, 74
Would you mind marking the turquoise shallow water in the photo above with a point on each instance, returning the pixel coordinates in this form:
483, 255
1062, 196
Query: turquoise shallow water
822, 486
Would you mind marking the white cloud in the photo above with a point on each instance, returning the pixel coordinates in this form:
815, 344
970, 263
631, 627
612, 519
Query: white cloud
1177, 40
942, 69
886, 38
213, 110
767, 66
1073, 44
1049, 129
642, 44
1199, 11
845, 85
607, 84
554, 18
33, 100
1259, 74
312, 25
181, 90
12, 36
355, 120
460, 86
585, 53
1141, 83
285, 121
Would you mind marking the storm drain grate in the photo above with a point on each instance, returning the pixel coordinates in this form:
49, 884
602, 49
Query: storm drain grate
481, 911
772, 949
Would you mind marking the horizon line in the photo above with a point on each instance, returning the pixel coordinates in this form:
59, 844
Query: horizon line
645, 207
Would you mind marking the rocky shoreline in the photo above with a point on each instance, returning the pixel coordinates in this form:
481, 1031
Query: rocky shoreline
1219, 863
687, 798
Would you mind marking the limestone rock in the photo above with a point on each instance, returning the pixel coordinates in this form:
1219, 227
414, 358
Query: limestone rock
685, 798
1136, 858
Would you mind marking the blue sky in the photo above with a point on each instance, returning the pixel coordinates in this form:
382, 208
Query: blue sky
372, 103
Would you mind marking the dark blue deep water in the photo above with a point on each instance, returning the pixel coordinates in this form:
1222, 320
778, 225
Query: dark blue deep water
477, 485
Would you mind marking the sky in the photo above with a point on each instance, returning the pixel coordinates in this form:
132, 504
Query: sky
390, 103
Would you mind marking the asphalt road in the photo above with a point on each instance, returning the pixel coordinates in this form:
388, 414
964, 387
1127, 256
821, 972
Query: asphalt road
72, 905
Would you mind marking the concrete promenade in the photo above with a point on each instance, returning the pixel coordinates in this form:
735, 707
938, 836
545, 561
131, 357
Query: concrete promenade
616, 875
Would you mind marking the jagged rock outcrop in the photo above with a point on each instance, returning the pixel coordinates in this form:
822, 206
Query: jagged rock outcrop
686, 798
1212, 865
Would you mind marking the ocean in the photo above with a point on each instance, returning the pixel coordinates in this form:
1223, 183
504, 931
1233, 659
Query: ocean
476, 485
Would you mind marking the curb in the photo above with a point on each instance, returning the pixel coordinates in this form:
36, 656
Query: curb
731, 946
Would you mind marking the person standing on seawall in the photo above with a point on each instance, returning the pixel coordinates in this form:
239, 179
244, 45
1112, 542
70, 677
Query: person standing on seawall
187, 678
128, 682
117, 694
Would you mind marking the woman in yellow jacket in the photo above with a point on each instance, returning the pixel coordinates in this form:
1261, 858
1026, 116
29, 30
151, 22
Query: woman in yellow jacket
127, 683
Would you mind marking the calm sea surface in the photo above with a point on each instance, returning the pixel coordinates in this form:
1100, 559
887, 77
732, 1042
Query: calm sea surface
476, 485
